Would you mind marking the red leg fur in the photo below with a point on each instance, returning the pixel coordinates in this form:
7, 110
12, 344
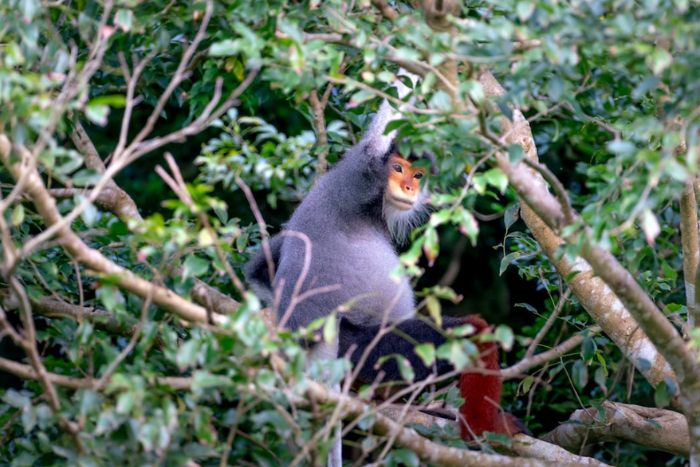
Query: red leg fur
482, 393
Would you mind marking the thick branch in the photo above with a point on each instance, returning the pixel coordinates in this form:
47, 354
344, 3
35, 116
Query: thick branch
385, 9
691, 254
522, 445
320, 123
27, 372
655, 428
436, 14
428, 451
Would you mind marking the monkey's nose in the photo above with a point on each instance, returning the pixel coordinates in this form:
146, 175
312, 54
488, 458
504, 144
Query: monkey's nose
409, 188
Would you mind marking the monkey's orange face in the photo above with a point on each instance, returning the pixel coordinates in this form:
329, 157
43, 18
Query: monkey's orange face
404, 183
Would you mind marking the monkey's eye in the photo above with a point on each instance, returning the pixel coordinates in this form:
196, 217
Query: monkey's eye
418, 175
397, 168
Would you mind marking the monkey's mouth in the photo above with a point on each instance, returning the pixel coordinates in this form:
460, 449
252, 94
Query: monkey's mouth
401, 203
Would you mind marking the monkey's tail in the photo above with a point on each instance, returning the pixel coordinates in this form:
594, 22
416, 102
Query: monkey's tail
482, 393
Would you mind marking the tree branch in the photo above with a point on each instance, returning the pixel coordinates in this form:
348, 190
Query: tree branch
320, 123
100, 319
536, 360
113, 198
655, 428
691, 253
27, 372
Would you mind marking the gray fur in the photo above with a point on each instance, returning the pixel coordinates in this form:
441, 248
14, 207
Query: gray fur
350, 233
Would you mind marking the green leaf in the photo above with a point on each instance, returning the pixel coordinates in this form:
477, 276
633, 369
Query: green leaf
505, 336
223, 48
187, 354
661, 395
431, 247
97, 113
330, 329
359, 97
434, 309
650, 226
455, 353
29, 9
426, 352
479, 181
475, 91
579, 374
622, 148
511, 215
524, 10
405, 368
467, 224
15, 399
125, 402
496, 178
527, 384
28, 419
124, 20
601, 379
660, 60
116, 101
588, 349
18, 215
194, 266
86, 177
509, 258
440, 217
515, 153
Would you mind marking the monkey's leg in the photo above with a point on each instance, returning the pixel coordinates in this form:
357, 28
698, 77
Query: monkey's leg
323, 351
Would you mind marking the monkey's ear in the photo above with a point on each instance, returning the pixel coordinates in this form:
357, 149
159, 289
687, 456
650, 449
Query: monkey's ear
376, 143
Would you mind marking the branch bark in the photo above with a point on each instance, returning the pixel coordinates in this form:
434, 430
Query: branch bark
100, 319
113, 197
27, 372
320, 123
691, 253
522, 445
655, 428
428, 451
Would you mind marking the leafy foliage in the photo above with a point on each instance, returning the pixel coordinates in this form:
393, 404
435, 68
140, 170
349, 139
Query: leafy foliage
611, 89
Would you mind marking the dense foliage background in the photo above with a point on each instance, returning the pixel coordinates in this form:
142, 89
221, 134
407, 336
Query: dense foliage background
264, 95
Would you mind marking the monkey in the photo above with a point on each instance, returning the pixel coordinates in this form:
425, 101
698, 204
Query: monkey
349, 217
337, 253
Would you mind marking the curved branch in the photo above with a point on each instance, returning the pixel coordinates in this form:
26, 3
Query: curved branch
655, 428
116, 200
